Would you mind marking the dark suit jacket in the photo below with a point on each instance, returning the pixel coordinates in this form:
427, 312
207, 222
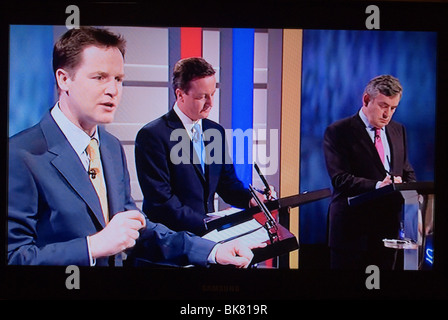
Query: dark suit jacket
180, 195
355, 167
53, 207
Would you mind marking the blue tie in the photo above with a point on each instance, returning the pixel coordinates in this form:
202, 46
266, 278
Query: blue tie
198, 143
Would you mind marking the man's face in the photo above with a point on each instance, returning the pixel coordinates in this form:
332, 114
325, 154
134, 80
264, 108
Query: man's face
379, 110
198, 102
93, 91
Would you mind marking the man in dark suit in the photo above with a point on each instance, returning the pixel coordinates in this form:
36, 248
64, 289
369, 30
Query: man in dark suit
363, 152
179, 192
69, 201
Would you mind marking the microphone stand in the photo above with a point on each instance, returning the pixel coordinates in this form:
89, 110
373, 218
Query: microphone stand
267, 189
270, 224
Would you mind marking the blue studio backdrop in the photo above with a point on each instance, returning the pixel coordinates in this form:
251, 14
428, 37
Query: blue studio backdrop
337, 65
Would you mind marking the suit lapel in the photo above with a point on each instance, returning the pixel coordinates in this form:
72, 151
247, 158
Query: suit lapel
174, 122
209, 153
393, 137
67, 162
359, 130
194, 160
111, 167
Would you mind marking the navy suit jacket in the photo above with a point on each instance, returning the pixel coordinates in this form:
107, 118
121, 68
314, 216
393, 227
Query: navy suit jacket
53, 206
355, 167
180, 195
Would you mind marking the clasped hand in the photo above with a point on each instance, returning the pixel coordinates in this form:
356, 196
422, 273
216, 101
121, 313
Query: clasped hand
387, 181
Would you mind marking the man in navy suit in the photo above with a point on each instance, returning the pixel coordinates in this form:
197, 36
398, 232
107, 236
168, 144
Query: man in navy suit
180, 192
356, 166
56, 216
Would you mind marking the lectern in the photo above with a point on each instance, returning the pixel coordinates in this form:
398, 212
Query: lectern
250, 225
416, 219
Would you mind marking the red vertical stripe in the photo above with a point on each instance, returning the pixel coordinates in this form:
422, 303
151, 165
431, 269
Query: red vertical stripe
190, 42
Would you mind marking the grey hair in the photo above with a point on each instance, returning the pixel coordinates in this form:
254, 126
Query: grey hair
384, 84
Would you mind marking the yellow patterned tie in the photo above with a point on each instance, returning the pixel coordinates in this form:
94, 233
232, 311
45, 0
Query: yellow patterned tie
97, 177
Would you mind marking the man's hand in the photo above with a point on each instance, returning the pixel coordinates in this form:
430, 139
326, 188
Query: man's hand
387, 181
236, 252
120, 234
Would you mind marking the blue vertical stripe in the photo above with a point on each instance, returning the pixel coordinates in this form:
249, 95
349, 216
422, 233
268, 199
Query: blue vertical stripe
242, 99
31, 80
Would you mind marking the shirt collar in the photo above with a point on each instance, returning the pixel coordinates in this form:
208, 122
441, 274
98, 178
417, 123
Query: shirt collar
186, 121
77, 138
366, 121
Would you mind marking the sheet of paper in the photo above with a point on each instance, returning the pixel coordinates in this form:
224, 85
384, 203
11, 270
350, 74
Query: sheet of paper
250, 232
225, 212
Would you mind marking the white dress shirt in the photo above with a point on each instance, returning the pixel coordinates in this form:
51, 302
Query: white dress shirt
78, 139
186, 121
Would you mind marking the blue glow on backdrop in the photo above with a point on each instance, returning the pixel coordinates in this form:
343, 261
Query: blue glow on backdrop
242, 98
31, 81
337, 65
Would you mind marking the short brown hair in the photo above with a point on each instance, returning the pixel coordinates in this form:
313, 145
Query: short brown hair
189, 69
384, 84
67, 51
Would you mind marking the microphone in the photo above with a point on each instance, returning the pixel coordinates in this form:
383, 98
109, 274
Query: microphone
92, 173
267, 189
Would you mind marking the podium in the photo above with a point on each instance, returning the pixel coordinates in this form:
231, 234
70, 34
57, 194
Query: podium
416, 219
250, 225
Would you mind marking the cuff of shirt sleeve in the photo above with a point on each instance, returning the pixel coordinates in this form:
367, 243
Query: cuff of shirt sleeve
92, 261
212, 256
